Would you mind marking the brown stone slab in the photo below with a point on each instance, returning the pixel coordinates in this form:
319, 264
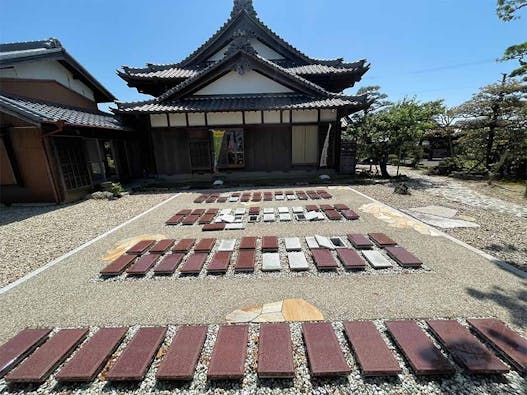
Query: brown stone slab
257, 197
254, 210
341, 207
185, 211
191, 219
91, 358
245, 198
301, 195
211, 199
323, 259
136, 358
162, 246
205, 245
275, 353
175, 220
169, 263
350, 215
118, 266
268, 197
360, 242
40, 364
220, 262
194, 263
228, 357
350, 259
248, 243
313, 195
333, 215
403, 257
381, 239
198, 211
212, 211
206, 219
312, 207
371, 351
200, 199
269, 243
465, 348
213, 227
179, 363
245, 261
222, 199
19, 347
323, 350
422, 355
508, 343
143, 264
184, 245
141, 247
325, 207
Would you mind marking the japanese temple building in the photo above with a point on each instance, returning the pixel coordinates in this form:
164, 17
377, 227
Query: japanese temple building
245, 101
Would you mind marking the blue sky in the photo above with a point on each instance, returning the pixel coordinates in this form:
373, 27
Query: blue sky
430, 49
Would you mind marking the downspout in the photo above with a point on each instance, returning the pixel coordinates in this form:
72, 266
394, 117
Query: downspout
54, 182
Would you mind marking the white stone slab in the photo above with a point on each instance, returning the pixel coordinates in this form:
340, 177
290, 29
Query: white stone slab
233, 199
229, 219
270, 262
440, 222
324, 242
297, 261
239, 211
234, 226
268, 210
438, 211
283, 210
279, 197
292, 244
376, 259
314, 216
227, 245
298, 210
225, 211
268, 218
285, 217
312, 242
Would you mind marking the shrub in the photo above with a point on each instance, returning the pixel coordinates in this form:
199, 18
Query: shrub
447, 166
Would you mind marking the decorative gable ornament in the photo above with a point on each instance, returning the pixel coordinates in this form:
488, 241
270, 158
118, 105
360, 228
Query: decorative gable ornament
241, 42
240, 5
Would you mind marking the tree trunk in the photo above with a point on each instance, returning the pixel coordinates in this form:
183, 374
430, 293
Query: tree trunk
490, 144
383, 165
497, 168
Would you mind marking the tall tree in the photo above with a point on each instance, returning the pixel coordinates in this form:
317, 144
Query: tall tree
507, 9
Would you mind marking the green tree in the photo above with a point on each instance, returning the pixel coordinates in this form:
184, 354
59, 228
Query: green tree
507, 9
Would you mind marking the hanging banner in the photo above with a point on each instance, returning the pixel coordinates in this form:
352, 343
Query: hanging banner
217, 140
325, 149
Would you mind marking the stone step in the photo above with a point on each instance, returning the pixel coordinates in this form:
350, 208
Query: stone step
297, 261
376, 259
350, 259
371, 351
143, 264
382, 240
194, 263
222, 199
323, 259
205, 245
403, 257
422, 355
162, 246
211, 199
118, 266
141, 247
465, 348
254, 210
275, 353
360, 242
312, 207
220, 262
323, 350
248, 243
136, 358
200, 199
169, 263
269, 243
19, 347
184, 245
228, 357
179, 363
39, 365
91, 358
245, 261
271, 262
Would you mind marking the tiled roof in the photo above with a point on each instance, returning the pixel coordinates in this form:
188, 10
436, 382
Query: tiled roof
239, 103
50, 112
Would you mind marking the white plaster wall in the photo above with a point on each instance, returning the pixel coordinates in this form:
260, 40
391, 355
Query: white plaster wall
158, 120
305, 116
196, 119
253, 117
271, 116
234, 83
328, 115
225, 118
177, 120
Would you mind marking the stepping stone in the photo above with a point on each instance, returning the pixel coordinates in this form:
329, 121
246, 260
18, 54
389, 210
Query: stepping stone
190, 220
325, 207
200, 199
143, 264
227, 245
341, 207
283, 210
301, 196
179, 363
206, 219
118, 266
268, 210
205, 245
169, 264
141, 247
245, 198
350, 215
198, 211
269, 243
40, 364
403, 257
312, 242
360, 242
184, 245
185, 211
194, 263
323, 350
271, 262
136, 358
234, 227
213, 227
162, 246
312, 207
285, 217
337, 242
333, 215
88, 362
211, 199
226, 211
298, 210
248, 243
323, 259
350, 259
228, 357
324, 242
175, 220
423, 356
297, 261
236, 194
19, 347
465, 348
279, 197
254, 210
227, 218
212, 211
292, 244
371, 351
381, 239
245, 261
314, 216
275, 353
268, 217
239, 211
233, 199
256, 198
220, 262
221, 199
376, 259
508, 343
268, 197
291, 197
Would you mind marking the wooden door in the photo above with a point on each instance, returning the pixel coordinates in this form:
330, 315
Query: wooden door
305, 145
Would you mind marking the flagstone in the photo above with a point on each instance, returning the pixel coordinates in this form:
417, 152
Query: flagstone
312, 242
300, 310
297, 261
376, 259
227, 245
269, 218
275, 307
271, 262
285, 217
324, 242
292, 244
298, 210
283, 210
234, 227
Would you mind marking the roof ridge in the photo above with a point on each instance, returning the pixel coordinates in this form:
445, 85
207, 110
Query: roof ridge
49, 43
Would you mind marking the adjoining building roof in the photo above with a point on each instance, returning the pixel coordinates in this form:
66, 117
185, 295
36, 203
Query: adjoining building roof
46, 112
52, 49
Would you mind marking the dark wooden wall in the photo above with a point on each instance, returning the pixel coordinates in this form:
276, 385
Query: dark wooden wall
268, 148
171, 153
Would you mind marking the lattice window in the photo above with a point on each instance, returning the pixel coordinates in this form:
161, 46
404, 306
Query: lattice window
73, 163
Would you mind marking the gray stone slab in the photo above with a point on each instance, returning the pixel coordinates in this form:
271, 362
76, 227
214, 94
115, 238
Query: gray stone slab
271, 262
376, 259
439, 211
312, 242
440, 222
268, 210
269, 218
233, 199
291, 197
235, 226
229, 219
324, 242
298, 210
225, 211
227, 245
283, 210
292, 244
240, 211
297, 261
285, 217
279, 197
314, 216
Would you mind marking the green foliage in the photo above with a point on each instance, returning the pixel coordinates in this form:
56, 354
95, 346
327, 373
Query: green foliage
448, 166
518, 53
117, 189
507, 9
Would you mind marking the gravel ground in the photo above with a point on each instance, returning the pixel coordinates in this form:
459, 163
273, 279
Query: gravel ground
30, 237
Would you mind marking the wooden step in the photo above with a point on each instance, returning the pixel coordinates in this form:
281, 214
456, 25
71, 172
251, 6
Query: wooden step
465, 348
143, 264
141, 247
371, 351
245, 261
275, 353
205, 245
422, 355
220, 262
323, 259
136, 358
162, 246
184, 245
228, 357
40, 364
350, 259
169, 263
360, 242
118, 266
179, 363
403, 257
323, 350
91, 358
382, 240
194, 263
19, 347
